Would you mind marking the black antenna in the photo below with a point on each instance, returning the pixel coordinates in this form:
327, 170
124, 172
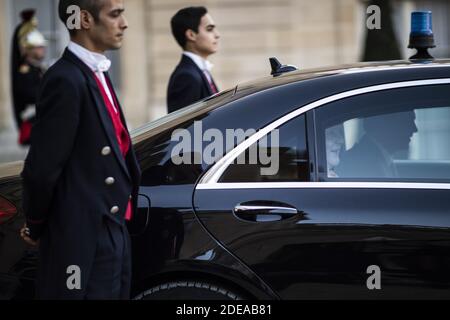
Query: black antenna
278, 68
275, 64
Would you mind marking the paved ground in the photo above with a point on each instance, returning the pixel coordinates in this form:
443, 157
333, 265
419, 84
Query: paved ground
9, 149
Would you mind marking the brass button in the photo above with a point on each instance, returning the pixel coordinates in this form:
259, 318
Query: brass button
106, 151
114, 209
110, 181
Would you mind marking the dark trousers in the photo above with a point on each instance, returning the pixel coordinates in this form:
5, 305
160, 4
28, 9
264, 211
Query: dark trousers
110, 277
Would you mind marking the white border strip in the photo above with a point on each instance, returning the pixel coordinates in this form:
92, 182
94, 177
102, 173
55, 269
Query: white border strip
324, 185
213, 175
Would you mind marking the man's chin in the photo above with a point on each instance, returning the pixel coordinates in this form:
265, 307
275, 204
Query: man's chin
211, 50
116, 46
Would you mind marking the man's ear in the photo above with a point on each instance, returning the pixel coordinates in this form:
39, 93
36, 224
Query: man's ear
190, 35
86, 20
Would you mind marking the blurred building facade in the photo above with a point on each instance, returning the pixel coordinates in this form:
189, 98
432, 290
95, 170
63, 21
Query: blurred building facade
301, 32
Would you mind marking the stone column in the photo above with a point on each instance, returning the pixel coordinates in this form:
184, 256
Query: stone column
135, 64
5, 100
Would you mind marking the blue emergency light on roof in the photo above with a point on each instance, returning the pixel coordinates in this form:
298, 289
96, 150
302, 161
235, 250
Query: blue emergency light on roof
421, 36
421, 23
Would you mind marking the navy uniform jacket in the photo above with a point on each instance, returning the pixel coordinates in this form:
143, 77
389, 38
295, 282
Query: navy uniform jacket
25, 88
187, 84
73, 151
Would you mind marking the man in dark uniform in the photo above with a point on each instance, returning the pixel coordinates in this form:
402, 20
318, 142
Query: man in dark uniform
194, 30
28, 52
81, 176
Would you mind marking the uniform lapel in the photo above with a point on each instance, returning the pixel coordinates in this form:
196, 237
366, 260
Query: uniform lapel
107, 124
205, 81
116, 100
101, 109
214, 83
202, 74
133, 166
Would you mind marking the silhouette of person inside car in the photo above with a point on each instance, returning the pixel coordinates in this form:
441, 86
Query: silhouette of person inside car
372, 157
334, 138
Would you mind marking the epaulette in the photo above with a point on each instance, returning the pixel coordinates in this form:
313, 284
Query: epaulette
24, 69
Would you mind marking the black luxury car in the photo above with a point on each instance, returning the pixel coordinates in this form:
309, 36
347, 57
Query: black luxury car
320, 184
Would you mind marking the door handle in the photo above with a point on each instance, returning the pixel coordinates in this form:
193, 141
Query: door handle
139, 224
257, 212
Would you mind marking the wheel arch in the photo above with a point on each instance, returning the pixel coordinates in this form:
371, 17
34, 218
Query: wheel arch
231, 280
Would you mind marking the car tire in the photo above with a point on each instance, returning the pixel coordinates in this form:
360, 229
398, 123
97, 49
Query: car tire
189, 290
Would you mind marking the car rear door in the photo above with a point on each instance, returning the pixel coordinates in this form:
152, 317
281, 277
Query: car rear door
310, 233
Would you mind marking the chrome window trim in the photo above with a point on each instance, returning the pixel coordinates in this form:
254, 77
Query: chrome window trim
215, 172
323, 185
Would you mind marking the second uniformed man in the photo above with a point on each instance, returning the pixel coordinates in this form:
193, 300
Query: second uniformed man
191, 81
81, 176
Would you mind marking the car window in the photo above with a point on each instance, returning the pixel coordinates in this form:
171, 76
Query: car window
280, 156
392, 135
153, 144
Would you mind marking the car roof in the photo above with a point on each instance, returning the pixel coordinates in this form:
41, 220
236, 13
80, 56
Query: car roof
360, 68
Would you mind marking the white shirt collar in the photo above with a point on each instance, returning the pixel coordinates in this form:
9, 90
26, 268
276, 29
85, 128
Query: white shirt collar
199, 61
96, 61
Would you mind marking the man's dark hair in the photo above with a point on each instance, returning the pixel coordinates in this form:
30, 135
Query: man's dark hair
185, 19
92, 6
